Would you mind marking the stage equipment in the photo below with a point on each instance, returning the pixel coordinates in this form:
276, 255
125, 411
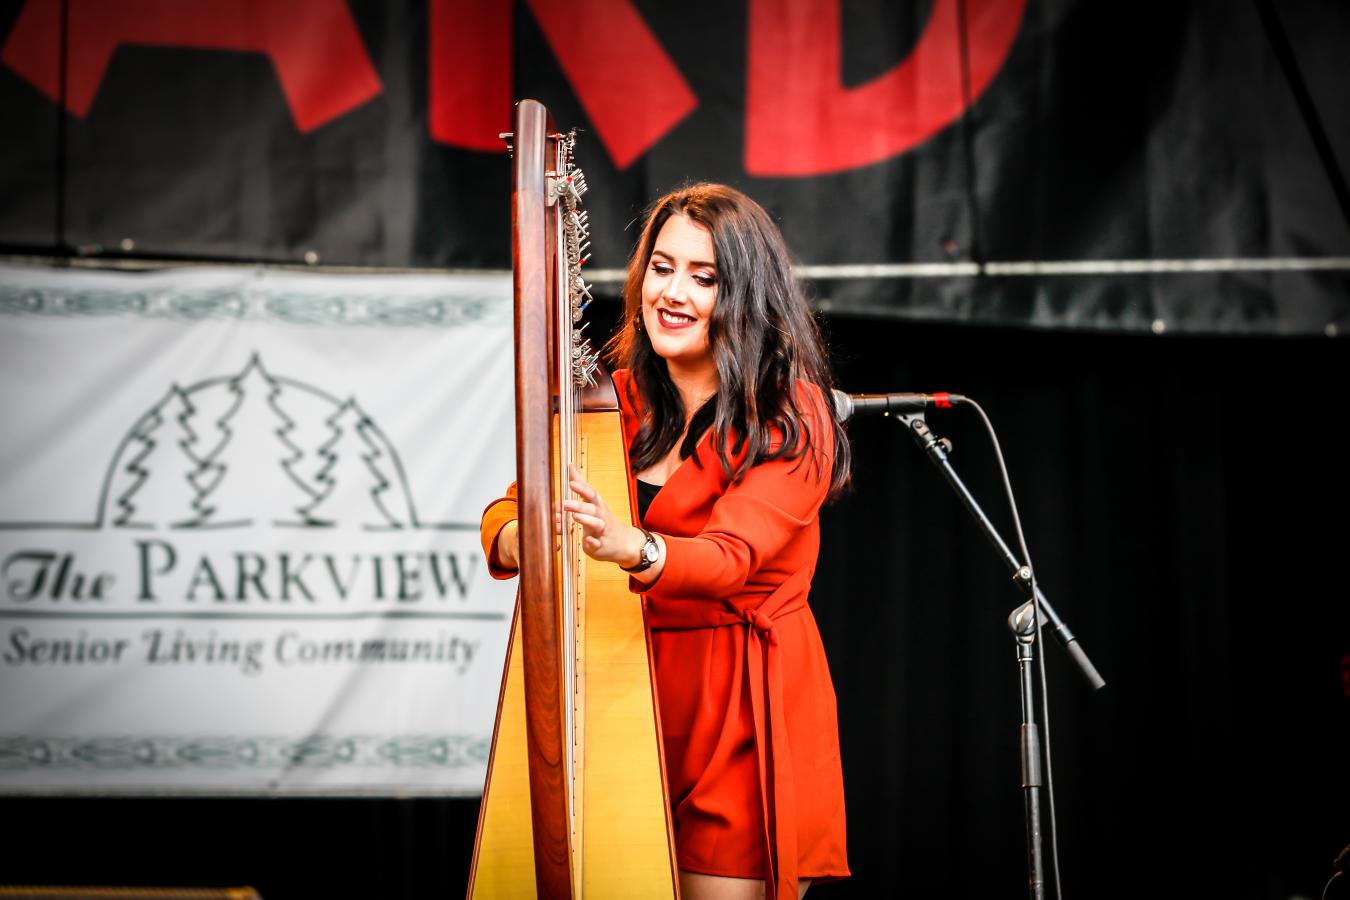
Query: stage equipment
849, 405
575, 803
1025, 621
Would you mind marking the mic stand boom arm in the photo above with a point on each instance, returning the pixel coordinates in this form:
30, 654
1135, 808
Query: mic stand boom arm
1023, 622
937, 448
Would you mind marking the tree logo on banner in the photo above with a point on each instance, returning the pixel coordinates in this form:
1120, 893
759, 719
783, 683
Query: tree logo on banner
256, 449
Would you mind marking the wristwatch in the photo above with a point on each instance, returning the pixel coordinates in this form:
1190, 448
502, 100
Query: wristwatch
651, 552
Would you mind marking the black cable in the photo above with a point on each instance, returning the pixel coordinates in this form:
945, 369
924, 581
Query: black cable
1040, 644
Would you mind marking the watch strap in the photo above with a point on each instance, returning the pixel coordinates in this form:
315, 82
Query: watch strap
647, 559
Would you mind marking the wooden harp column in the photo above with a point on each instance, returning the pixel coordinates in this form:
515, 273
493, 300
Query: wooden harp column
575, 802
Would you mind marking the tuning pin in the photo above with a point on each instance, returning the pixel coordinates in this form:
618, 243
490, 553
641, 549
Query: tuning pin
585, 373
585, 363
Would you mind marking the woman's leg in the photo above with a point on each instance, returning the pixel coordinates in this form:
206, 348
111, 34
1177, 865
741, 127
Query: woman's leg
696, 886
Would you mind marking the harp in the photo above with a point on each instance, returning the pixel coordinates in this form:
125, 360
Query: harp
575, 802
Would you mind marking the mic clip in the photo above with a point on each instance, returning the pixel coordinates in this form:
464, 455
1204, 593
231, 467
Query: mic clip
930, 443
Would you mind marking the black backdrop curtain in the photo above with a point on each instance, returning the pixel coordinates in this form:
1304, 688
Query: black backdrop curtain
1086, 132
1184, 505
1183, 497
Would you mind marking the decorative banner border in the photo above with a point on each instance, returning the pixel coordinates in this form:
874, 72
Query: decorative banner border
267, 752
242, 555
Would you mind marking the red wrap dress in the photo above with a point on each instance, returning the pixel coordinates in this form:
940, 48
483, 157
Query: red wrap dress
746, 702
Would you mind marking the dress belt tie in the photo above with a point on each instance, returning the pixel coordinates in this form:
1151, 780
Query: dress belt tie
778, 795
764, 680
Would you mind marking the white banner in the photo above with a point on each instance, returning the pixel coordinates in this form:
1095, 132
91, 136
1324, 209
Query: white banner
238, 530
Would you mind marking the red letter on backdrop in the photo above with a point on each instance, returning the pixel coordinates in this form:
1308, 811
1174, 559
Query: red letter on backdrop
622, 76
800, 120
469, 94
314, 46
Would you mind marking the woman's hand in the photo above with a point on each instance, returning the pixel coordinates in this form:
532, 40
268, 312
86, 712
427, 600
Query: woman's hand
604, 537
507, 547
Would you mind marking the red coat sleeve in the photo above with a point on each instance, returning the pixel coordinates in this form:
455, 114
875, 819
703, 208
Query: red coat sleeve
753, 520
497, 514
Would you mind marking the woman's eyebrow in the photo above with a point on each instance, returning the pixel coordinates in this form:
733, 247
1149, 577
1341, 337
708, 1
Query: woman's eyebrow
693, 262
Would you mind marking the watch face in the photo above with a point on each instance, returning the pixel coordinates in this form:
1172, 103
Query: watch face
650, 552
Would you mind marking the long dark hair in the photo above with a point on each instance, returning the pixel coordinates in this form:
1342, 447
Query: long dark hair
763, 336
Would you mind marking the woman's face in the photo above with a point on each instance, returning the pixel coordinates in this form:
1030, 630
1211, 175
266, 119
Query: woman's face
679, 292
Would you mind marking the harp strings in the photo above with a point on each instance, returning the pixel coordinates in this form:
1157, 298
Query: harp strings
576, 363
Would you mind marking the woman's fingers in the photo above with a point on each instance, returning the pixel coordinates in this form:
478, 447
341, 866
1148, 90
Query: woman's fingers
590, 504
592, 524
585, 492
580, 506
599, 529
580, 485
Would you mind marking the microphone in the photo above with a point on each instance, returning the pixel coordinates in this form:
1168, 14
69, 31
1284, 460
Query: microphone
849, 405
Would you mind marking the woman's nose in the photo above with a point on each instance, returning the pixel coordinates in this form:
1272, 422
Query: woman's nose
674, 288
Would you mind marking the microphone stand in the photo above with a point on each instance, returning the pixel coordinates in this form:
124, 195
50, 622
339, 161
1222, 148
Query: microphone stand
1022, 621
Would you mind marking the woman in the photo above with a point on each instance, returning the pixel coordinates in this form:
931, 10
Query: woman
723, 381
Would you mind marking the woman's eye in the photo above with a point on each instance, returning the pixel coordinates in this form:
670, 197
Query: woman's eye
661, 269
706, 280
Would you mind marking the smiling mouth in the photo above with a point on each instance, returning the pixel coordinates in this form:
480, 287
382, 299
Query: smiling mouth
672, 319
